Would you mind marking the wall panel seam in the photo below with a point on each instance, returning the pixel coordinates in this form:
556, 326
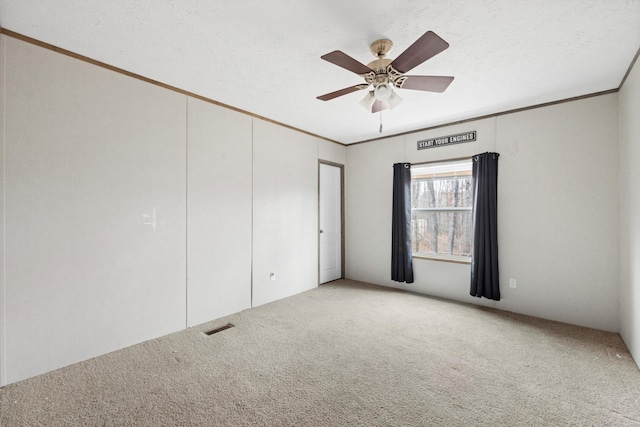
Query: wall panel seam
3, 287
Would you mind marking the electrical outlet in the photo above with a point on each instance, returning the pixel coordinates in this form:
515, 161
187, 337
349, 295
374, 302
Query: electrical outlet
512, 283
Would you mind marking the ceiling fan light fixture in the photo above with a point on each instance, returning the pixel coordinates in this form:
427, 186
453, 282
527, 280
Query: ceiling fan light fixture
368, 100
394, 100
383, 91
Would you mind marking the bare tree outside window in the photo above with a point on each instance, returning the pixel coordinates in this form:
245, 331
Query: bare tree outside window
441, 203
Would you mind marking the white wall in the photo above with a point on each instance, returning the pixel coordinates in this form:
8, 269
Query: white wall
368, 195
285, 212
557, 210
219, 177
332, 152
88, 152
629, 143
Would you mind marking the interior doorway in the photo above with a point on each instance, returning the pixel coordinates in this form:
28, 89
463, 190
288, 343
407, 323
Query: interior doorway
330, 221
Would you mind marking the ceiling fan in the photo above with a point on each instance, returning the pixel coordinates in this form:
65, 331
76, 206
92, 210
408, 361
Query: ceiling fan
383, 73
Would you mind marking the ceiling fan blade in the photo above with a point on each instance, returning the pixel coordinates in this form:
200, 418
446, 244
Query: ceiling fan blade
379, 106
426, 83
346, 90
427, 46
343, 60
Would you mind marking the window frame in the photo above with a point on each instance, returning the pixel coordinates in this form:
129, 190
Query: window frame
460, 259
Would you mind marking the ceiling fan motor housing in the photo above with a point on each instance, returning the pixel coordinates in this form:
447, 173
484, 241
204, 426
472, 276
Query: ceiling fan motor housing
383, 72
381, 48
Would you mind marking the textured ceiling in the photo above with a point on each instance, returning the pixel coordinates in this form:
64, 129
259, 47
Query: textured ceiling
264, 56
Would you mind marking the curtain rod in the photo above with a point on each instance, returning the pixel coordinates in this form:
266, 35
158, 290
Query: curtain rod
445, 160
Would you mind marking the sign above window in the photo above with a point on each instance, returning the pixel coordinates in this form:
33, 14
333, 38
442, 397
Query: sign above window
447, 140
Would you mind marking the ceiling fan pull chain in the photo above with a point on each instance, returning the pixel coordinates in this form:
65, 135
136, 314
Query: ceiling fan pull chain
380, 121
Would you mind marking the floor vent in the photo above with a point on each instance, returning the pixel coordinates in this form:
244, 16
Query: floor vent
220, 329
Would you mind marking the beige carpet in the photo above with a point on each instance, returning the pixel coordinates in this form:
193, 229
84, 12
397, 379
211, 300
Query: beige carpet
347, 354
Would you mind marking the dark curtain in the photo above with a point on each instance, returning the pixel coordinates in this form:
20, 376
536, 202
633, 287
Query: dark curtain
484, 263
401, 261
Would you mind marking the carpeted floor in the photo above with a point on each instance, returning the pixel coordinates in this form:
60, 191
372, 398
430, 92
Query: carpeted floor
347, 354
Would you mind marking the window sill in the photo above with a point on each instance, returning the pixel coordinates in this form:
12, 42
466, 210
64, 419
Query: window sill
445, 258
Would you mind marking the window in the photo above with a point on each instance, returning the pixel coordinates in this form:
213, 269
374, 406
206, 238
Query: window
441, 204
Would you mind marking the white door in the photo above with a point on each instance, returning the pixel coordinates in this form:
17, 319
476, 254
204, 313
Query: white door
330, 223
